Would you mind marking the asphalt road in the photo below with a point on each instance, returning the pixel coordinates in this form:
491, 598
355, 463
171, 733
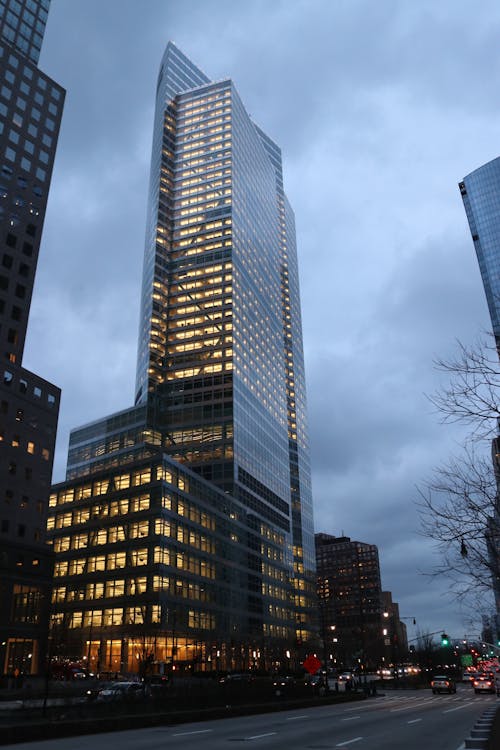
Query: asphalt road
409, 720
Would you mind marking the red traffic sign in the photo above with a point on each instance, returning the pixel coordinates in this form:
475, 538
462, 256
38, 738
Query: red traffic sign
312, 664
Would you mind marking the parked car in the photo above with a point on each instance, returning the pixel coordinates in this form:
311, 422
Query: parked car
236, 677
484, 683
443, 684
158, 683
118, 691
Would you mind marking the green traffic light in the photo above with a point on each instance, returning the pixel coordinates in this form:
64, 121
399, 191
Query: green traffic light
445, 641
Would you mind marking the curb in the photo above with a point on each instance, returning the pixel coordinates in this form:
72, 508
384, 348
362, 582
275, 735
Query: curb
480, 734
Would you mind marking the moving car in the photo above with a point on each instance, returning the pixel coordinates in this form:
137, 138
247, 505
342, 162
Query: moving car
443, 684
484, 683
345, 677
282, 682
316, 683
468, 678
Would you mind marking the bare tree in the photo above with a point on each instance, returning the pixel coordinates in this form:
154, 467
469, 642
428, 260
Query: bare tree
459, 506
472, 394
458, 510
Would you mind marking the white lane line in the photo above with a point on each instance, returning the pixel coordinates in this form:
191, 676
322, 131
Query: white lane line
349, 742
351, 718
200, 731
368, 707
405, 708
294, 718
414, 721
463, 705
258, 736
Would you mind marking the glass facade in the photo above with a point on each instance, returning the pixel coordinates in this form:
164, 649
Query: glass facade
148, 549
220, 385
481, 196
480, 192
221, 304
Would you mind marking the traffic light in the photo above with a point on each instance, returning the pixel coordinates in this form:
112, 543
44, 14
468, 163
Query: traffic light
445, 641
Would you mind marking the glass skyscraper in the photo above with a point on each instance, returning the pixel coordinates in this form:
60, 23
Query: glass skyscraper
30, 113
480, 192
224, 534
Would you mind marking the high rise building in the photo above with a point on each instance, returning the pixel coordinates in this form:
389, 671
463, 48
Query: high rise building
30, 113
480, 192
350, 598
184, 528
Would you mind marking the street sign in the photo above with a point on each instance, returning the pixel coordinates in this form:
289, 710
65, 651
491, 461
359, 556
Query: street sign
312, 664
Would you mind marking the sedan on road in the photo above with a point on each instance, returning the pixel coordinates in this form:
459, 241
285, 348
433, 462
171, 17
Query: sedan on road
443, 684
484, 684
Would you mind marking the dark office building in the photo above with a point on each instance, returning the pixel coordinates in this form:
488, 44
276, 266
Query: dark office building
350, 598
394, 631
30, 113
184, 529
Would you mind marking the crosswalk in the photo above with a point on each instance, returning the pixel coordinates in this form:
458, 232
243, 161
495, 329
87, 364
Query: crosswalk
422, 698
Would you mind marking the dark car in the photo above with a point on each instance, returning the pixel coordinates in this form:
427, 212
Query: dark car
122, 691
468, 678
316, 683
282, 682
443, 684
236, 677
158, 685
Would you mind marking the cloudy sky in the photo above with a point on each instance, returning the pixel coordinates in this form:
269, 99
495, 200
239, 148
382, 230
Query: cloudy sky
380, 109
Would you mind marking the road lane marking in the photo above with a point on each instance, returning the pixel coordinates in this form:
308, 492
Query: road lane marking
368, 707
199, 731
463, 705
405, 708
414, 721
258, 736
349, 742
351, 718
294, 718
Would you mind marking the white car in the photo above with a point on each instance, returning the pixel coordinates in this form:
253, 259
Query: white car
443, 684
118, 691
484, 683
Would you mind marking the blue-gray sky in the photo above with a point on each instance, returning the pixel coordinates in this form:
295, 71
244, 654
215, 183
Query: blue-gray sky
380, 109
